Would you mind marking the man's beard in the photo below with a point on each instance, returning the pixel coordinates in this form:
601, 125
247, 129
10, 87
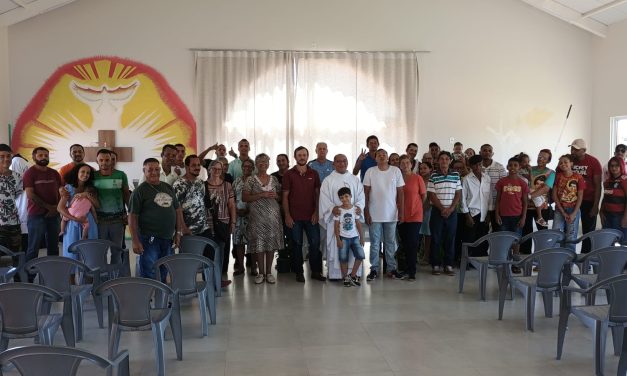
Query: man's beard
42, 162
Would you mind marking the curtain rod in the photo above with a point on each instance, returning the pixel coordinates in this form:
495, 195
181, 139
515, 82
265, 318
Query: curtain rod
336, 51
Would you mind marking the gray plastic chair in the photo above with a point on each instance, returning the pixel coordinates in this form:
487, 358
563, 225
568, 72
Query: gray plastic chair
499, 253
202, 246
622, 362
599, 318
40, 360
183, 269
601, 238
95, 254
541, 240
21, 313
55, 272
552, 262
8, 272
143, 304
611, 262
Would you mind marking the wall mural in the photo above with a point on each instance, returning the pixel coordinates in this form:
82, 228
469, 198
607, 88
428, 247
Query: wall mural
106, 102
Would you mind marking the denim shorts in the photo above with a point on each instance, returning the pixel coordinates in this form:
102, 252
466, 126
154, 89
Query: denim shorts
353, 244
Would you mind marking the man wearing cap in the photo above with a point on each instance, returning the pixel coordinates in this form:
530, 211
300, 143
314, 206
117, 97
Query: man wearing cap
619, 152
590, 168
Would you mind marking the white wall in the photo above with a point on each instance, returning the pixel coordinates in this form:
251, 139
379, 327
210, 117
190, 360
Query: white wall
499, 72
610, 78
5, 116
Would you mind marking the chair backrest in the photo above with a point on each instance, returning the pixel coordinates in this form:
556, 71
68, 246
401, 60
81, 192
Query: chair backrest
612, 261
55, 271
50, 360
544, 239
93, 252
602, 238
500, 244
551, 263
20, 304
617, 288
183, 269
132, 298
4, 251
197, 245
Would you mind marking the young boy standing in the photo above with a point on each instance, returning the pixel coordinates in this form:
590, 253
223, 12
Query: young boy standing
349, 234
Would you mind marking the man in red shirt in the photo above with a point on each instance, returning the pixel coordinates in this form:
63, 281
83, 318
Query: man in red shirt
41, 184
590, 168
301, 190
77, 153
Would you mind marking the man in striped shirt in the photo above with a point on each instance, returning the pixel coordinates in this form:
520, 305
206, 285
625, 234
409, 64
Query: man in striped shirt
445, 191
496, 171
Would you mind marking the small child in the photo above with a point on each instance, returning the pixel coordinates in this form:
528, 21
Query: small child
349, 234
567, 195
458, 153
539, 201
79, 207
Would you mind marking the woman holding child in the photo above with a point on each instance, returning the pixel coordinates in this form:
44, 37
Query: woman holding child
77, 206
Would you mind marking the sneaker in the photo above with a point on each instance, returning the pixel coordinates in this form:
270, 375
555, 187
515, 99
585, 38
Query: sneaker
354, 280
347, 281
372, 275
411, 278
300, 278
270, 279
396, 275
436, 270
258, 279
449, 271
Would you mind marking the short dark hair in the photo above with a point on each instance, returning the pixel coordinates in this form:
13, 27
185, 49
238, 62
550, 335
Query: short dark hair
283, 155
103, 151
620, 148
344, 191
548, 152
475, 159
150, 160
372, 137
411, 144
79, 145
433, 144
514, 159
188, 159
114, 153
458, 144
299, 149
39, 148
71, 177
444, 152
484, 145
568, 156
167, 146
5, 147
428, 164
177, 145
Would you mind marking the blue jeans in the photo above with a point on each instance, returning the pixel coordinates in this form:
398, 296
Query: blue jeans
510, 223
353, 245
442, 235
154, 249
613, 220
41, 227
570, 229
389, 238
313, 237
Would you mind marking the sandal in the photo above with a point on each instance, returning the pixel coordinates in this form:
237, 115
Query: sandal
541, 222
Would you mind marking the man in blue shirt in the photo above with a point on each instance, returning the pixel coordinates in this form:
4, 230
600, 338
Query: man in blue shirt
321, 164
367, 160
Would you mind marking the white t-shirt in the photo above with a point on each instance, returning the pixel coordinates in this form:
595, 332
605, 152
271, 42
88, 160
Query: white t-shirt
347, 220
383, 185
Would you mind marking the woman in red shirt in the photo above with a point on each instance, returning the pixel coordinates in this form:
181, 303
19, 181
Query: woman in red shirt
613, 213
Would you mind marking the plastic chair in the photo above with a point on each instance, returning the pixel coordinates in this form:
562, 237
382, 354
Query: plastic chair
95, 253
21, 307
601, 238
499, 252
542, 239
132, 310
552, 262
55, 272
49, 360
197, 245
599, 318
611, 262
8, 272
183, 269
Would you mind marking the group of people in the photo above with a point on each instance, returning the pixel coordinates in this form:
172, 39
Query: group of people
433, 204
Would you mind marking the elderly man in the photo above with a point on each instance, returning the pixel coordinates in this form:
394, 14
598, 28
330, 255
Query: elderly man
590, 168
77, 153
168, 167
329, 201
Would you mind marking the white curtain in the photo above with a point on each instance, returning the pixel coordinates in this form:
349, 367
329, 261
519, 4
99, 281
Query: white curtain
279, 100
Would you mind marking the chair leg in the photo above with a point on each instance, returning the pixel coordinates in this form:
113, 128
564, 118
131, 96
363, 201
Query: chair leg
99, 309
547, 297
530, 307
158, 338
67, 322
622, 363
462, 274
202, 304
483, 275
176, 327
114, 340
78, 313
561, 327
217, 271
503, 282
617, 339
600, 335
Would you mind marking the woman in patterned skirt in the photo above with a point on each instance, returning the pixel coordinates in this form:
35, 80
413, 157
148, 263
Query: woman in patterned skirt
239, 236
265, 230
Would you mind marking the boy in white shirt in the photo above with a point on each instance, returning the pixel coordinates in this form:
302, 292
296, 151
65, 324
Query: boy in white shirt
349, 234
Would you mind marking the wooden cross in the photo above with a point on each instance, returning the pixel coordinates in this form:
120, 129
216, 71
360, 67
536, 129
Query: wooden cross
106, 140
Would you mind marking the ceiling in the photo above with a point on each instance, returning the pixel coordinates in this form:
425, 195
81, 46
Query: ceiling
592, 15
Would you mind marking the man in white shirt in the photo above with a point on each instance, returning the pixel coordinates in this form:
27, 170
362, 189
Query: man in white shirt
168, 166
496, 171
476, 196
383, 188
329, 201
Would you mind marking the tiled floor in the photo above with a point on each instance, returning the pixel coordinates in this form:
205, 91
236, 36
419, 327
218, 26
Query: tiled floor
383, 328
